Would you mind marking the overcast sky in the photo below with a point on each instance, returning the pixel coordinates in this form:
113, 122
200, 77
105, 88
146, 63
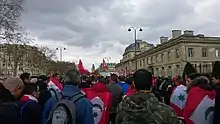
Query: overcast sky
94, 29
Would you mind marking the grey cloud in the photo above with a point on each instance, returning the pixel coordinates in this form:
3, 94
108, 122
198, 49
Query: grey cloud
103, 24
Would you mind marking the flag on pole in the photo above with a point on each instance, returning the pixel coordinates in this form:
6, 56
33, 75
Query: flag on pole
93, 68
104, 65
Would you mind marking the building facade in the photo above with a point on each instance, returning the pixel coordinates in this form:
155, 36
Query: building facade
170, 56
11, 54
127, 63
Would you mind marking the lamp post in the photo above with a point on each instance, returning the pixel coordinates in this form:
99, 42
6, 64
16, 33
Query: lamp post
61, 52
135, 29
107, 58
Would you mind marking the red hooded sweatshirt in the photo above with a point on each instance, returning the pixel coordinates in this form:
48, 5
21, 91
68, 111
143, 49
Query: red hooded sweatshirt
199, 106
101, 100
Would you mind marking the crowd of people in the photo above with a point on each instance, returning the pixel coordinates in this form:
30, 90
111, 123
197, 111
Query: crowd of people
138, 98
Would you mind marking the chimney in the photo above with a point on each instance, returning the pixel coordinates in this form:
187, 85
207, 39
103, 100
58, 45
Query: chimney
163, 39
176, 33
189, 32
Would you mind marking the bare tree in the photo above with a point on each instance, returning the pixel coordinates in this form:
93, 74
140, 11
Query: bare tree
10, 11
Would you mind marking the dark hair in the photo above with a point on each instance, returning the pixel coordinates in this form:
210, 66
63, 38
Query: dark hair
72, 77
129, 80
102, 80
43, 77
42, 85
193, 75
55, 75
29, 88
114, 77
121, 78
143, 79
181, 80
24, 76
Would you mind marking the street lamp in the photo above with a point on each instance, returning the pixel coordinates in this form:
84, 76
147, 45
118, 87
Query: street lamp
107, 58
135, 29
61, 52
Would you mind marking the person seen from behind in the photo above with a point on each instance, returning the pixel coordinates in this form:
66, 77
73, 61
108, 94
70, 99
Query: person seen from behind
143, 107
83, 108
117, 96
123, 84
29, 108
200, 102
10, 92
99, 96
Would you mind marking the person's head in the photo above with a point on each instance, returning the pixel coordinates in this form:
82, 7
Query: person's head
191, 77
179, 81
25, 77
31, 89
14, 85
43, 78
122, 78
142, 79
72, 77
56, 75
102, 80
129, 80
114, 78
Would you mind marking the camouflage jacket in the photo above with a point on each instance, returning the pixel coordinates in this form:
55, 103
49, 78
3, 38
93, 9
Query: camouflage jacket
144, 108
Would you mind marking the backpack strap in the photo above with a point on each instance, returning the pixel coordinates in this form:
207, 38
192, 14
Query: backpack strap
77, 97
24, 106
58, 95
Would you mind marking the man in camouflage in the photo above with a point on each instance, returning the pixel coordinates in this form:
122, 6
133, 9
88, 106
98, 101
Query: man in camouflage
143, 107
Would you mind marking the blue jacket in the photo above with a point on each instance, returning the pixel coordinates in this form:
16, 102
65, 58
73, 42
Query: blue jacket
84, 112
124, 87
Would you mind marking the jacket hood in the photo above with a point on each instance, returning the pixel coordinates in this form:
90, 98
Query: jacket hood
201, 82
139, 101
100, 87
5, 94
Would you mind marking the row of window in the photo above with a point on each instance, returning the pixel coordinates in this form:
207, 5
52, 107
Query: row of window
161, 57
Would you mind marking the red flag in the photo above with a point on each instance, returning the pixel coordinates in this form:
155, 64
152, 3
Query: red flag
101, 100
104, 65
81, 69
199, 106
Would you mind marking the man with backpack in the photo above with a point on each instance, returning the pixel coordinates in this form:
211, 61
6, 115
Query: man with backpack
70, 106
143, 107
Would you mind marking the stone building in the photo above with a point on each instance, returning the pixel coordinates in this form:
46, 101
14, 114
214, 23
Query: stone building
7, 62
127, 63
170, 56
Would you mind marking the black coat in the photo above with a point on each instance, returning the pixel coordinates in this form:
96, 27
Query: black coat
31, 114
117, 95
9, 110
43, 97
217, 104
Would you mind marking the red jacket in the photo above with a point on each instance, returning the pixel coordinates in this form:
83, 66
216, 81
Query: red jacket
99, 92
198, 105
